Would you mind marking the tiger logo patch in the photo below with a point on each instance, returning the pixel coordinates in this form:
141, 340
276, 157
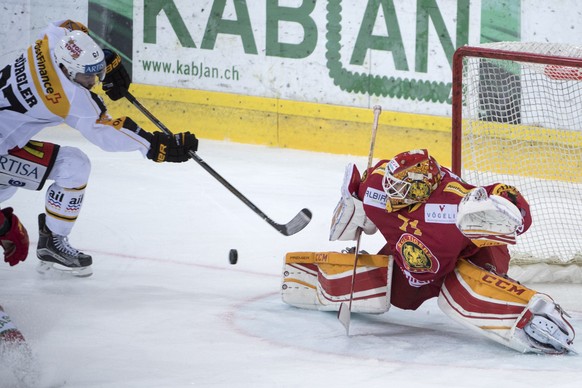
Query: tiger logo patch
417, 258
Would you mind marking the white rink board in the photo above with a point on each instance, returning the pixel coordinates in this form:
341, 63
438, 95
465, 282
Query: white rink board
392, 77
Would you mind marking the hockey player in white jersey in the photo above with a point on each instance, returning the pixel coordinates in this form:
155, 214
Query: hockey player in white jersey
49, 84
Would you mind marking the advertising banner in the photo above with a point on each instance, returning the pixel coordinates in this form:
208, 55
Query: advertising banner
343, 52
354, 53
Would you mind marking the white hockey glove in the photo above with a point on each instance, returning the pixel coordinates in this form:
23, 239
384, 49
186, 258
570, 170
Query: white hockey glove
488, 219
349, 214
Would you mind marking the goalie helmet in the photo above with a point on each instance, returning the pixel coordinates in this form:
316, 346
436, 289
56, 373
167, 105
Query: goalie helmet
411, 177
82, 58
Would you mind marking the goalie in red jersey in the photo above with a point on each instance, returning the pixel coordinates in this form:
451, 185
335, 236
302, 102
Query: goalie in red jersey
448, 239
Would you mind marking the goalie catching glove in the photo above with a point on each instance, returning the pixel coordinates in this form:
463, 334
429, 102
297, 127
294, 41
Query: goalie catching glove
489, 219
117, 80
349, 215
172, 148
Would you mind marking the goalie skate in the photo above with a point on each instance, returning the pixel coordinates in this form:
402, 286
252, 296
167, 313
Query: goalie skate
545, 327
57, 255
547, 336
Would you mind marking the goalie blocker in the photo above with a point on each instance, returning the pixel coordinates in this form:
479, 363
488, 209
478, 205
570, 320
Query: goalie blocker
489, 304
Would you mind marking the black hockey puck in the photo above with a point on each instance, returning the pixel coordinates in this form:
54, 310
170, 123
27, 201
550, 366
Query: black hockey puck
233, 256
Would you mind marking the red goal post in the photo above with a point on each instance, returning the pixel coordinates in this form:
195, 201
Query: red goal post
517, 119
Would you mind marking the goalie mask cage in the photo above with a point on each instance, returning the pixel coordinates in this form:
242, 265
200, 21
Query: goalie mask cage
517, 119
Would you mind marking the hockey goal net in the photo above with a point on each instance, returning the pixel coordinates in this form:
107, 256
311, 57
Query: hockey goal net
517, 119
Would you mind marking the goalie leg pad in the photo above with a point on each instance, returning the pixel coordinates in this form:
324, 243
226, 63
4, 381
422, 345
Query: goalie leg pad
505, 311
322, 281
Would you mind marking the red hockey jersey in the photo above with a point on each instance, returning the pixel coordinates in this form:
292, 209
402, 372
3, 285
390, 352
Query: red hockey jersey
424, 239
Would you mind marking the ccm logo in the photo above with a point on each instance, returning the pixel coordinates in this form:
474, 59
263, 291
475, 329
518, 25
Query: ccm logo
503, 284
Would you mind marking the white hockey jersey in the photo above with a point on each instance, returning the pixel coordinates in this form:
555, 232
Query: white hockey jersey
35, 94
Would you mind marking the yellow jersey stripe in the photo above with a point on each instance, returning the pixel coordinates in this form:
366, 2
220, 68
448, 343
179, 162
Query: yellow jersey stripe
50, 89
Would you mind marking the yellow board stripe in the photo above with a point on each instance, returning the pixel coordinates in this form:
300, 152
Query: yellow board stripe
51, 91
286, 124
296, 108
525, 133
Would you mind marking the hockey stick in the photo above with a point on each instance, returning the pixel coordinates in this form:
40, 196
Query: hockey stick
345, 310
298, 222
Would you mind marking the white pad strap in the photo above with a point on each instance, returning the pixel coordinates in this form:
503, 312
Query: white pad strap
488, 219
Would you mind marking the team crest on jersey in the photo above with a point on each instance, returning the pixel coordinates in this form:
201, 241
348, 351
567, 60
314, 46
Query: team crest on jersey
417, 258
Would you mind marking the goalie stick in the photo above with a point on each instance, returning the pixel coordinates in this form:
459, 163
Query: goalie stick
345, 310
298, 222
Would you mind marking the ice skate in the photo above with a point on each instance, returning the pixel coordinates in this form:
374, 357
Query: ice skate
547, 329
55, 253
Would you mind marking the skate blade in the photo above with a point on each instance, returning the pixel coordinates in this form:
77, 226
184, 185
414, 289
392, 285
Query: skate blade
47, 268
544, 331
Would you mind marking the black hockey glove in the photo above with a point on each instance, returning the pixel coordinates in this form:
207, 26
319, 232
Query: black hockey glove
172, 148
116, 81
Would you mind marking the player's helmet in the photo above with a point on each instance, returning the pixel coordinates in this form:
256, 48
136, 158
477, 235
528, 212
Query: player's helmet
411, 177
79, 54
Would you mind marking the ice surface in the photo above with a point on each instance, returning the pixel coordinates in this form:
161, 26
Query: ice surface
165, 308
